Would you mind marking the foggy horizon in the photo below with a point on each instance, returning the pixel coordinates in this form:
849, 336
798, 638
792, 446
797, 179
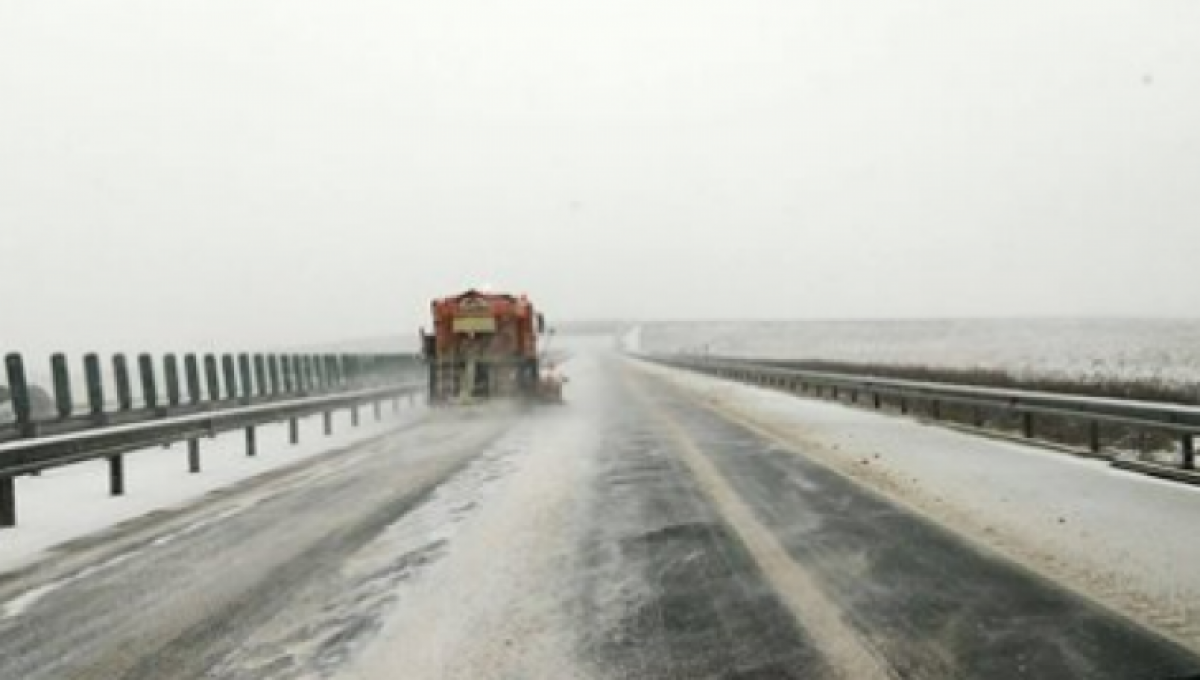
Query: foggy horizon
274, 174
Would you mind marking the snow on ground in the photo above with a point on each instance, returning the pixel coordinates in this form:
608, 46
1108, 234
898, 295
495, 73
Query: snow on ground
492, 606
72, 502
1122, 538
1081, 349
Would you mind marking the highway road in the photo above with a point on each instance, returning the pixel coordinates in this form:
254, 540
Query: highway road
635, 533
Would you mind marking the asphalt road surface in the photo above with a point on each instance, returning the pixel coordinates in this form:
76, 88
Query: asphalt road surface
632, 534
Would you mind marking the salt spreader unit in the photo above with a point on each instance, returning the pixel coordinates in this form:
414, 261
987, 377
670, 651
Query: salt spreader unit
487, 346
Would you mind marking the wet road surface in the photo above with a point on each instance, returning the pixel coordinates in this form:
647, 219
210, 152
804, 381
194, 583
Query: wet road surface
632, 534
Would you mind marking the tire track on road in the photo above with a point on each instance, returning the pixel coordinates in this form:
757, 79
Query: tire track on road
1177, 619
184, 602
667, 590
924, 599
847, 653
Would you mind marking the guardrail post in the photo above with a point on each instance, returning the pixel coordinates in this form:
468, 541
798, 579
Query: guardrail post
877, 400
1189, 451
977, 416
171, 373
251, 442
1094, 436
62, 385
95, 386
8, 502
903, 406
149, 386
230, 371
333, 371
121, 379
191, 370
303, 374
1027, 424
294, 431
273, 370
935, 408
193, 456
116, 475
212, 377
289, 383
260, 375
246, 375
328, 423
354, 415
299, 384
18, 388
318, 373
378, 410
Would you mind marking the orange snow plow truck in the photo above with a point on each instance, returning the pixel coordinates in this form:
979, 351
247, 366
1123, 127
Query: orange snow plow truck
485, 346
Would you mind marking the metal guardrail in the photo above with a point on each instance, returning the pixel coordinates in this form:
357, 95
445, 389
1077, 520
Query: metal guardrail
167, 386
251, 391
1180, 421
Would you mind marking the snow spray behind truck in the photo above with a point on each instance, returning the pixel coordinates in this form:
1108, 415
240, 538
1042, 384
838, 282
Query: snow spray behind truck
486, 346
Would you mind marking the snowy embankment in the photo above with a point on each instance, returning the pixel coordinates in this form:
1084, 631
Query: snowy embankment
72, 502
1123, 539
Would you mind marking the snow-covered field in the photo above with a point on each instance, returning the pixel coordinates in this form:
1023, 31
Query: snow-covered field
1165, 351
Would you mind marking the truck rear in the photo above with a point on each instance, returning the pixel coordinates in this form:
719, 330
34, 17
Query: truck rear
485, 346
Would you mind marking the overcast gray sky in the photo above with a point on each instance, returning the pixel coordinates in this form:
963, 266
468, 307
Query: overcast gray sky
220, 172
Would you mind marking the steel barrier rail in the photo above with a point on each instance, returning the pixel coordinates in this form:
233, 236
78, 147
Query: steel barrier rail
167, 386
34, 454
1128, 408
1179, 420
